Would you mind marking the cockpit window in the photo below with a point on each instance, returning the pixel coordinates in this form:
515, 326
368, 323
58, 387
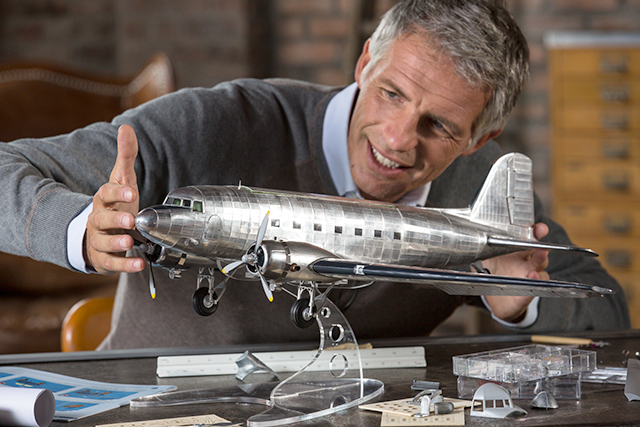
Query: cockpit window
195, 205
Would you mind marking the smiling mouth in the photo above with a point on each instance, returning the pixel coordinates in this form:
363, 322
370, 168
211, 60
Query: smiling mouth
383, 160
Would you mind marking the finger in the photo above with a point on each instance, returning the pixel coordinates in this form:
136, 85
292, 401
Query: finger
540, 230
106, 219
111, 243
538, 275
111, 193
109, 263
123, 172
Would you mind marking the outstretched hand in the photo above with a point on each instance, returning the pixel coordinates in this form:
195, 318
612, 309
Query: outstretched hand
114, 208
530, 264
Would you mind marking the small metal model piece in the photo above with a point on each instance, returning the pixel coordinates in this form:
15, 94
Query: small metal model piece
248, 363
632, 385
544, 400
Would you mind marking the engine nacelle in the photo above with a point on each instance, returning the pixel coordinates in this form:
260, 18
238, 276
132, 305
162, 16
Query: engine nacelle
175, 261
286, 261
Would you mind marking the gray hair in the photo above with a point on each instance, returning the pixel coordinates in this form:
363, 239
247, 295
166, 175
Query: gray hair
480, 36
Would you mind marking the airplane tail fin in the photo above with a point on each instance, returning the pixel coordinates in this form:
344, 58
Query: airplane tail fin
505, 200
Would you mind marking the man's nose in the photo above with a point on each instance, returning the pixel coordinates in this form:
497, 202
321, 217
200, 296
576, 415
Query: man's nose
401, 133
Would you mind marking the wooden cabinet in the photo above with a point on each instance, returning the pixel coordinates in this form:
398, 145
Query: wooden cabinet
595, 119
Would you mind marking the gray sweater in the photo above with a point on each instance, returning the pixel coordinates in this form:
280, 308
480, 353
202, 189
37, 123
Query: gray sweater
265, 133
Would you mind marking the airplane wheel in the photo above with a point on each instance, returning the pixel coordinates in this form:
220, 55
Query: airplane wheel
297, 316
202, 303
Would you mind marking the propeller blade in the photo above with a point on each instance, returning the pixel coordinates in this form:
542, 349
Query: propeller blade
265, 286
152, 285
230, 267
262, 230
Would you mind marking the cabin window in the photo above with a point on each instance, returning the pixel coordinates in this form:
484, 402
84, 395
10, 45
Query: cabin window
317, 227
275, 223
186, 203
296, 225
396, 235
198, 206
338, 229
377, 233
358, 231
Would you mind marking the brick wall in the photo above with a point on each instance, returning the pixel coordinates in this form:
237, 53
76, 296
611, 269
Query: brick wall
215, 40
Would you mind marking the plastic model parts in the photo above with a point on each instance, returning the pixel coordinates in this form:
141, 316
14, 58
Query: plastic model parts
493, 401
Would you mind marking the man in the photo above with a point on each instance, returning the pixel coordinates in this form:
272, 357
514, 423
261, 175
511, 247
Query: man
434, 85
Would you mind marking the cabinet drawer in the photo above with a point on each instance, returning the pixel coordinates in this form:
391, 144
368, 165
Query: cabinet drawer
598, 220
618, 255
631, 286
602, 91
596, 62
612, 147
598, 118
605, 180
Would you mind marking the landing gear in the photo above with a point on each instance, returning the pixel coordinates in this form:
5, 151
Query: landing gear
301, 314
204, 299
204, 303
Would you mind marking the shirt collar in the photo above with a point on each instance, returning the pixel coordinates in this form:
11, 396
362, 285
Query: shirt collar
334, 144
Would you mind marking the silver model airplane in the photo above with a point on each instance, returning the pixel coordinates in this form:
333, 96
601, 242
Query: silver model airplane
313, 243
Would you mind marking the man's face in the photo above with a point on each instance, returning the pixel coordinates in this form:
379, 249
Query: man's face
412, 118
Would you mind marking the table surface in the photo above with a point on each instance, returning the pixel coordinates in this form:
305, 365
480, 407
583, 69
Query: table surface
600, 405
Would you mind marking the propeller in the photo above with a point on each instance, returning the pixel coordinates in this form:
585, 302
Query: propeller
251, 259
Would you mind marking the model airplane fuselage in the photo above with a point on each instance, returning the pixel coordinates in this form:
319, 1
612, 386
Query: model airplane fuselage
295, 237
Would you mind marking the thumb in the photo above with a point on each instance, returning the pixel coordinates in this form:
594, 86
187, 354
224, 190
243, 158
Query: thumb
123, 172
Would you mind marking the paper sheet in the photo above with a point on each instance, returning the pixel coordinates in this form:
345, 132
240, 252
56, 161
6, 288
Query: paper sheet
182, 421
455, 418
76, 398
28, 407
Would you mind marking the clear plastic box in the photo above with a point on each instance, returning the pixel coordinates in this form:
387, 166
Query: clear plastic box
526, 363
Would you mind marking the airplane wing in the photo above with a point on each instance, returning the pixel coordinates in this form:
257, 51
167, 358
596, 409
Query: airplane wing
457, 282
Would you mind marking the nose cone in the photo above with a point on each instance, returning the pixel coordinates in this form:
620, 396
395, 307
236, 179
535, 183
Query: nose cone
147, 222
154, 223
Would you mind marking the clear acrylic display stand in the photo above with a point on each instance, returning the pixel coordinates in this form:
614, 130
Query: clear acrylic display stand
304, 395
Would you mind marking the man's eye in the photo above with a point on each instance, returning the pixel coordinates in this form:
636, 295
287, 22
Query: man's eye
438, 125
391, 94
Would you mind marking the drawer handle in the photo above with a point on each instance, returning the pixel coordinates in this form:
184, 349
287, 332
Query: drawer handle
618, 95
617, 225
615, 149
614, 65
616, 182
615, 122
619, 258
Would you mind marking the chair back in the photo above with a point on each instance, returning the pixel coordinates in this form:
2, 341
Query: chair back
86, 324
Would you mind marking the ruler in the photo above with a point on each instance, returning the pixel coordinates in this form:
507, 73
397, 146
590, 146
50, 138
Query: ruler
290, 361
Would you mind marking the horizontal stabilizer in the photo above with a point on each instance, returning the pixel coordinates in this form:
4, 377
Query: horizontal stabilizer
457, 282
526, 244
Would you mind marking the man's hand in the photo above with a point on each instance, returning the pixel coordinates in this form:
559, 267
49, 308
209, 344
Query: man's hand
529, 264
114, 208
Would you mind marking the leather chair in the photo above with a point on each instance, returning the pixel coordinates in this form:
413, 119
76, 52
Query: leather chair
39, 100
86, 324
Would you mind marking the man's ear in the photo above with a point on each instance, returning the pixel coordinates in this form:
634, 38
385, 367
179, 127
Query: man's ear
483, 140
363, 60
